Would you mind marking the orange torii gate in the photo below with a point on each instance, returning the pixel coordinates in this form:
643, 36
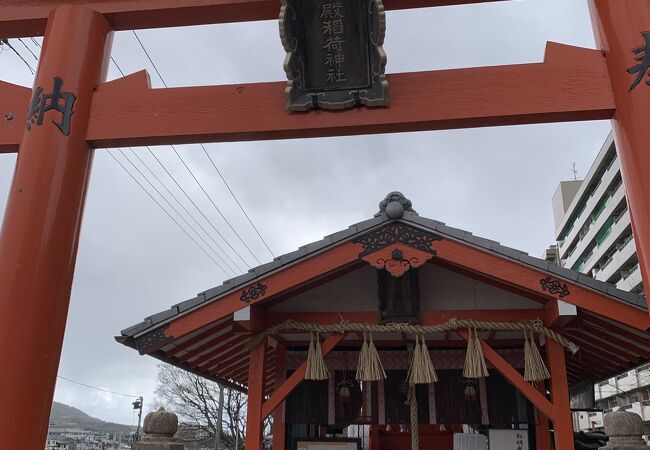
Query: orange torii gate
41, 227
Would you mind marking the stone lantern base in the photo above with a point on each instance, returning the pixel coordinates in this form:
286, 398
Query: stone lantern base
625, 431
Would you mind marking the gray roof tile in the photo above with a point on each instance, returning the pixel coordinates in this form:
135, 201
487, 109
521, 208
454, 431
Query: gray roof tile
290, 257
367, 224
509, 252
163, 315
452, 232
211, 293
535, 262
318, 245
189, 304
137, 328
343, 234
408, 217
268, 267
590, 282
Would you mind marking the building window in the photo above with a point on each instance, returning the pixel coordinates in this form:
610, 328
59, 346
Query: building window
621, 376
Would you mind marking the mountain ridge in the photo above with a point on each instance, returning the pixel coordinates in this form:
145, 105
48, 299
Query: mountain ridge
68, 416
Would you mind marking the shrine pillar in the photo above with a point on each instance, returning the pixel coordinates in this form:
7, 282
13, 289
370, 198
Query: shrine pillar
622, 29
279, 424
562, 423
40, 232
542, 430
254, 416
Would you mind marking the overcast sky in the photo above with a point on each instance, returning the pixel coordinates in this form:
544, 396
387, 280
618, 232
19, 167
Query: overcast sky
134, 261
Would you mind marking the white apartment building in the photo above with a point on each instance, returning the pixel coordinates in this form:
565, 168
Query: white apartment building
594, 236
593, 228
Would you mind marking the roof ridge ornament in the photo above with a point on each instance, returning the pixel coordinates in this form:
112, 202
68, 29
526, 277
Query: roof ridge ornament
394, 206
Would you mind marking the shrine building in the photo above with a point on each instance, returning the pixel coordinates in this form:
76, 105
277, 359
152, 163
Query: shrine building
401, 332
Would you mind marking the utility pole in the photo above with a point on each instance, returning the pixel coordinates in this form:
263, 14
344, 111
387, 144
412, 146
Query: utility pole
219, 425
236, 419
138, 405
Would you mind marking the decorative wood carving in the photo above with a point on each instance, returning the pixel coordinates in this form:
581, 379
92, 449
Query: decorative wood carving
398, 259
153, 341
555, 287
253, 292
397, 233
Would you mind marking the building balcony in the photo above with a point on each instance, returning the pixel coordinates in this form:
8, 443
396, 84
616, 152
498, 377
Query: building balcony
618, 227
618, 259
590, 234
593, 200
631, 281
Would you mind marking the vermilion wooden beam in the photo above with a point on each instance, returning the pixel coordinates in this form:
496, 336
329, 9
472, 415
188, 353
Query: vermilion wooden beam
279, 426
581, 339
22, 18
529, 278
254, 418
427, 317
562, 423
200, 337
572, 84
277, 283
296, 378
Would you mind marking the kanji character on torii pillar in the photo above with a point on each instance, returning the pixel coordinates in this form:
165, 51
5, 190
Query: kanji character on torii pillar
71, 112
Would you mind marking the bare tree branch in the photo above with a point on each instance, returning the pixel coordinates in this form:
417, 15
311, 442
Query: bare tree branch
196, 402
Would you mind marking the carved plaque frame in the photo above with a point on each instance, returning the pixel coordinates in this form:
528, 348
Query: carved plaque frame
300, 95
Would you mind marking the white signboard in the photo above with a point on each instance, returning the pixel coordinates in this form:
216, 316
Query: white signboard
324, 445
470, 442
508, 440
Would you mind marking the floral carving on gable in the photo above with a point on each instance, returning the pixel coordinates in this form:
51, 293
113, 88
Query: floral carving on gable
397, 248
396, 233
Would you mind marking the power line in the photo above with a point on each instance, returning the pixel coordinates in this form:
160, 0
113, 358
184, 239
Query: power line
238, 204
161, 207
28, 49
218, 210
96, 388
171, 206
193, 203
8, 44
204, 191
186, 195
178, 185
214, 165
184, 209
144, 189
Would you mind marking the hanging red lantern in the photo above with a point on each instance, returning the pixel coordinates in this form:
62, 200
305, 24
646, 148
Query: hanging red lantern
344, 394
470, 393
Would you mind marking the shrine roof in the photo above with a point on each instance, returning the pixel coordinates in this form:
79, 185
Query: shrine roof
384, 216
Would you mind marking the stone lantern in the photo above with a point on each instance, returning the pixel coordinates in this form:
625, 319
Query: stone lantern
159, 430
625, 431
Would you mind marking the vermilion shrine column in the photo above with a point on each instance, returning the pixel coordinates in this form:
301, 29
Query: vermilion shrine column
562, 422
40, 233
254, 419
622, 29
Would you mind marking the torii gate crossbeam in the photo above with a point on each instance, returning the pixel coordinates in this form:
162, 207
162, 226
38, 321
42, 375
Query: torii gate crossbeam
24, 18
40, 232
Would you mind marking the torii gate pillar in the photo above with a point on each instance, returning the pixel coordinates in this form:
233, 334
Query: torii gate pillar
619, 26
40, 233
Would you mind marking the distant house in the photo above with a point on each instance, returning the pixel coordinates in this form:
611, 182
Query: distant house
60, 443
